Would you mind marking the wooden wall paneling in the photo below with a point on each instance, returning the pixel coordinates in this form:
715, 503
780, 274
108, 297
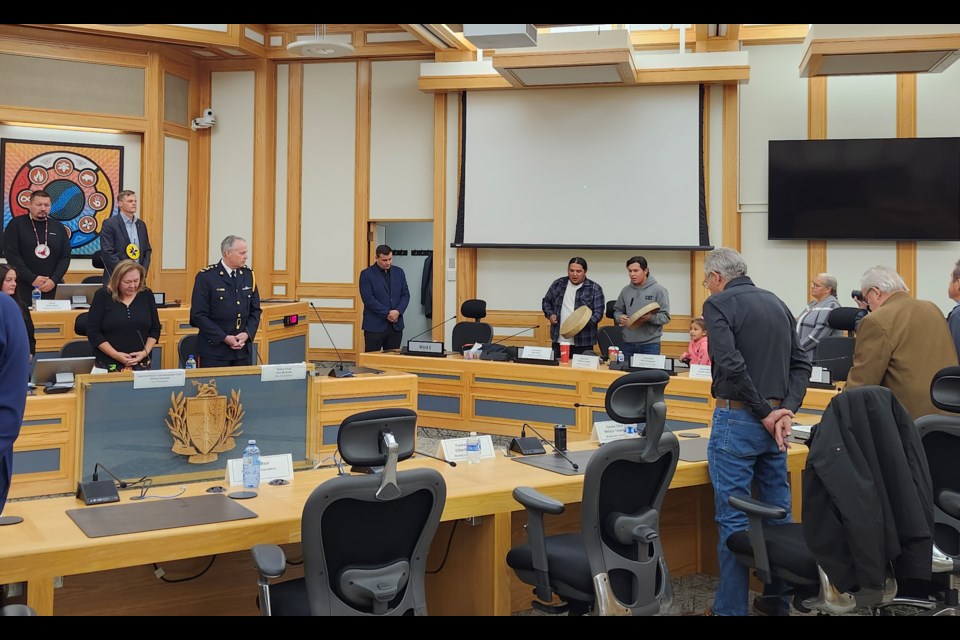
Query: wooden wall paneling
907, 128
361, 257
294, 176
816, 130
466, 276
439, 210
264, 174
151, 182
731, 196
198, 189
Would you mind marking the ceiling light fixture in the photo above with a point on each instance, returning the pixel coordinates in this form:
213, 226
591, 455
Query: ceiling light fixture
319, 46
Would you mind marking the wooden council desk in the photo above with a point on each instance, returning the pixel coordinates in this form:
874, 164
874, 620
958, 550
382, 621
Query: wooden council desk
498, 397
480, 521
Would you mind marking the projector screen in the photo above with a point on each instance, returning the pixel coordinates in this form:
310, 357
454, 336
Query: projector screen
616, 167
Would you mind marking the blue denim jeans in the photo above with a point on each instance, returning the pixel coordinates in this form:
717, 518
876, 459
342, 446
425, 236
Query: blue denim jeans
630, 348
740, 453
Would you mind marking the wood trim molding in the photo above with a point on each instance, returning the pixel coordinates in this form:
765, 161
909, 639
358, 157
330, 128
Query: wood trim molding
907, 128
466, 276
361, 216
816, 130
294, 175
151, 188
731, 192
439, 210
264, 172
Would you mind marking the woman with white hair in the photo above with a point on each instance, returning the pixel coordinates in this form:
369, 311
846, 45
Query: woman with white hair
812, 324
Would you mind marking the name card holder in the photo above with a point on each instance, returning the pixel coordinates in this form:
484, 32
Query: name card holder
271, 468
536, 353
425, 348
53, 305
609, 430
291, 371
701, 371
584, 361
455, 449
154, 379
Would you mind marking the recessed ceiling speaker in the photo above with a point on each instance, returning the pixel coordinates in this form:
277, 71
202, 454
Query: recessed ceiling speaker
320, 46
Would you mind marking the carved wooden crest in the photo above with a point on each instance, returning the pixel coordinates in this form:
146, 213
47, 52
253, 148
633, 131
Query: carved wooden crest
206, 424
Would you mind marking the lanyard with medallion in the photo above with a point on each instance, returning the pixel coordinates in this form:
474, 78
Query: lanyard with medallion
43, 248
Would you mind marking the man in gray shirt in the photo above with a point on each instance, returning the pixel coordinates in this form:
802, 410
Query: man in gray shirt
642, 290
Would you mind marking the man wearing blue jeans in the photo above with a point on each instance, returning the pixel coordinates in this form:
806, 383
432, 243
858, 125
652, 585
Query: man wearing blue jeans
760, 375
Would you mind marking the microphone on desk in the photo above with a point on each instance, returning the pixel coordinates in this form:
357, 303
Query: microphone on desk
145, 363
526, 445
99, 491
427, 455
554, 447
504, 355
589, 406
338, 370
120, 483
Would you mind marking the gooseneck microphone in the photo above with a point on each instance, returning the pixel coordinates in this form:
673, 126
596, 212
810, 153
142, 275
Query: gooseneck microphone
514, 335
525, 445
433, 327
338, 371
427, 455
589, 406
553, 446
123, 484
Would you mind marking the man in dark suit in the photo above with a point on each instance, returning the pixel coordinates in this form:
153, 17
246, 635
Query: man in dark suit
14, 368
383, 289
124, 236
225, 307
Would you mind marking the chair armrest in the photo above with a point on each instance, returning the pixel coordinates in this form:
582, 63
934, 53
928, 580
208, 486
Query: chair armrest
270, 560
754, 507
533, 499
536, 505
949, 502
757, 512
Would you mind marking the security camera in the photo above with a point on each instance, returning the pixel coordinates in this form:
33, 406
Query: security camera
205, 121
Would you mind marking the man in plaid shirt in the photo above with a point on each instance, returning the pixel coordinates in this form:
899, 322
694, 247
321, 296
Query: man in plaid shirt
568, 294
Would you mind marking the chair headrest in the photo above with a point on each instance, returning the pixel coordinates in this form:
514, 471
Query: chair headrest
629, 397
97, 260
945, 389
845, 318
610, 304
80, 324
360, 439
475, 309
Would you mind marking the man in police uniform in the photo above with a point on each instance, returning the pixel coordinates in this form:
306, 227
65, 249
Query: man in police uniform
226, 308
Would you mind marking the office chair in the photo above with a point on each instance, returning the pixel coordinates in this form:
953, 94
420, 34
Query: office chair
92, 280
78, 348
610, 311
465, 332
846, 319
940, 436
835, 353
17, 610
614, 565
365, 537
854, 546
187, 347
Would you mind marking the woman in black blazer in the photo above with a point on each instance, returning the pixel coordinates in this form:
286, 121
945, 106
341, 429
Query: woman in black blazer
123, 325
8, 282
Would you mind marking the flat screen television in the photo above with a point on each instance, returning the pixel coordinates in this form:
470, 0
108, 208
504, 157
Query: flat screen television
864, 189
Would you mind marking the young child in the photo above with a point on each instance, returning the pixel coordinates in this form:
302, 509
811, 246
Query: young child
696, 352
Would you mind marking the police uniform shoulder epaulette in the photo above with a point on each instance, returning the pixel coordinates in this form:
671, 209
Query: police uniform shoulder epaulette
210, 266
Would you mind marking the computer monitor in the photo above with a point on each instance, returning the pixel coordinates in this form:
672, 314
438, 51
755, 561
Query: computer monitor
60, 371
160, 298
67, 291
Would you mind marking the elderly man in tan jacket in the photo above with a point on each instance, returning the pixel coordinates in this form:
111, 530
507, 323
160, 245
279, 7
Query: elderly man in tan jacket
902, 343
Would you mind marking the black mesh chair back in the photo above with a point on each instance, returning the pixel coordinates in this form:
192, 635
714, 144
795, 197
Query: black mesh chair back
92, 280
97, 261
637, 398
940, 435
610, 311
471, 332
842, 557
187, 347
845, 319
77, 349
365, 537
614, 565
835, 353
80, 324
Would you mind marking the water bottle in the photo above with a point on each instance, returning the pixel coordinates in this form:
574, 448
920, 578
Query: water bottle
251, 465
473, 448
191, 362
35, 297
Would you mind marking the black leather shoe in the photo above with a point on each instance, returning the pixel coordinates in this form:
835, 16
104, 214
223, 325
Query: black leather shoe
769, 607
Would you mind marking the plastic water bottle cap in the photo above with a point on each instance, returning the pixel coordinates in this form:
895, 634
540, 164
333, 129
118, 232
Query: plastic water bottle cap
252, 442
